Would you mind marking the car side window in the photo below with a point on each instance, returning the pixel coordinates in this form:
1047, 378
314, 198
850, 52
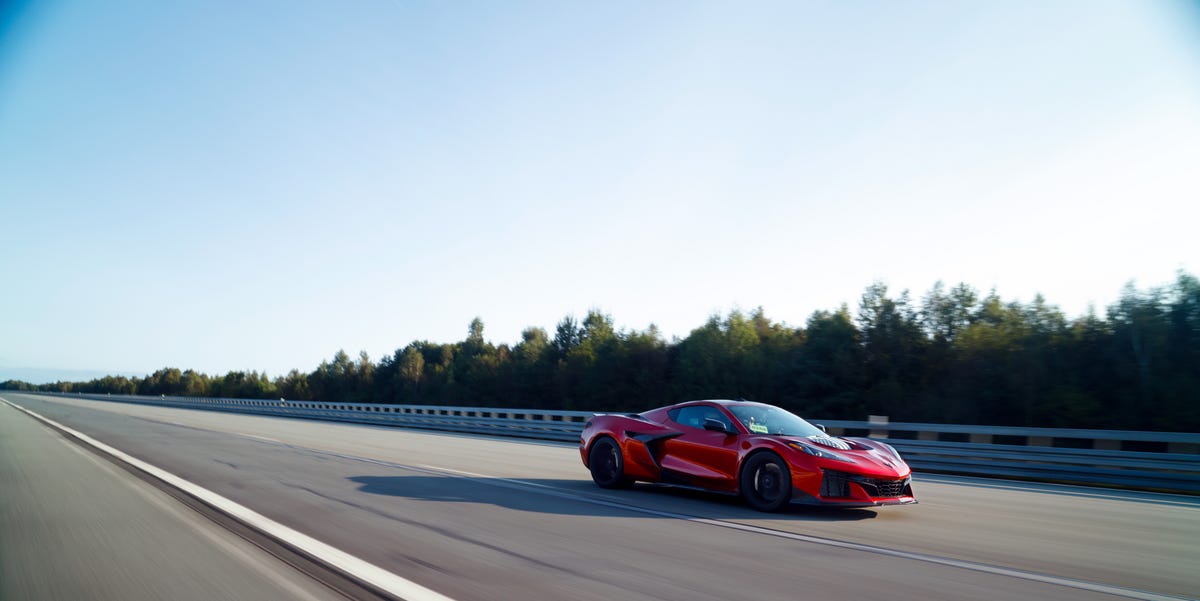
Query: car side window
695, 415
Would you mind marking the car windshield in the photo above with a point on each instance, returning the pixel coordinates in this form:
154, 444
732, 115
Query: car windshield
764, 419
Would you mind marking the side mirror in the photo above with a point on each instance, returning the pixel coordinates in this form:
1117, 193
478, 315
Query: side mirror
713, 424
822, 427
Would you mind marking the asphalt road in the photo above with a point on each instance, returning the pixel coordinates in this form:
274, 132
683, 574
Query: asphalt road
486, 518
73, 526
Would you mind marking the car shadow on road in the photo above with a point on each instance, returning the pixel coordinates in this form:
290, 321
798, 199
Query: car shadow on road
581, 497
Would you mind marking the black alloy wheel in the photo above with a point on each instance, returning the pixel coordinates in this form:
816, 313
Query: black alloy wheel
766, 482
607, 464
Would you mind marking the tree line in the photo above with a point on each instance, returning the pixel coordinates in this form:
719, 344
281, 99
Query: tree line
952, 356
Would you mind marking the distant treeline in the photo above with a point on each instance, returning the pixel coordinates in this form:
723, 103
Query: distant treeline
953, 356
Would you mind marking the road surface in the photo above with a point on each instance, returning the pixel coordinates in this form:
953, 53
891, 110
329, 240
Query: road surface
490, 518
73, 526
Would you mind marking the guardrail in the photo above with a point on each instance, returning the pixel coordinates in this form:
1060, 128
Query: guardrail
1162, 461
525, 423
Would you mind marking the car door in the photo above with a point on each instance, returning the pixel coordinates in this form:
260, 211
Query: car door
700, 457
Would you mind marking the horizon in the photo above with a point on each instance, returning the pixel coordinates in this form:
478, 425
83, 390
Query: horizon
51, 375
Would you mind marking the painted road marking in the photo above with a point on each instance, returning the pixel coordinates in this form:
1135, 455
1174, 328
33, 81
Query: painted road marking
256, 437
934, 559
946, 561
345, 562
521, 485
194, 522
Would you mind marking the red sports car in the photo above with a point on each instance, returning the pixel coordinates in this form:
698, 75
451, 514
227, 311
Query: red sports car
768, 455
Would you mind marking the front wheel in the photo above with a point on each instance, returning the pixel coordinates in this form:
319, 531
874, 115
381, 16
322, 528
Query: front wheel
607, 464
766, 482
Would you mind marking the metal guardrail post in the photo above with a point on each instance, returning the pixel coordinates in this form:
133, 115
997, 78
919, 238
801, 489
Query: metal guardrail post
878, 420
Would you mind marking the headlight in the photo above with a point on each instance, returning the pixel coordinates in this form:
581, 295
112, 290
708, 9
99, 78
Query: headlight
819, 452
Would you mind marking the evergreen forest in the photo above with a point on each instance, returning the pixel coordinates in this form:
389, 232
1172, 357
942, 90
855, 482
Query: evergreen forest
953, 355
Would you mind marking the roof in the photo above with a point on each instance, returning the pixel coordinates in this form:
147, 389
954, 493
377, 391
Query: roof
724, 402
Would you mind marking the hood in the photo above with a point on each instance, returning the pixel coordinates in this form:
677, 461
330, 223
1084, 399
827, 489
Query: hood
829, 441
878, 454
869, 456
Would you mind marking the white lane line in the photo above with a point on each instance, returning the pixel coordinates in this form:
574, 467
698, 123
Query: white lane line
358, 568
945, 561
522, 485
570, 495
204, 529
256, 437
1090, 492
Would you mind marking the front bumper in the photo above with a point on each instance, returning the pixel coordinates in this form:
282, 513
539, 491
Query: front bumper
845, 489
811, 501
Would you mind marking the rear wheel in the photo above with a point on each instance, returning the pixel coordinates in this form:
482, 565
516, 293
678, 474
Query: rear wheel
766, 482
607, 464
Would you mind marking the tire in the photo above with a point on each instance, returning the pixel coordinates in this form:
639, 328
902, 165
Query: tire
766, 482
607, 464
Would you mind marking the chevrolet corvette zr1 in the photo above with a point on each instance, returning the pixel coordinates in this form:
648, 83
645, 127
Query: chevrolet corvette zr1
766, 454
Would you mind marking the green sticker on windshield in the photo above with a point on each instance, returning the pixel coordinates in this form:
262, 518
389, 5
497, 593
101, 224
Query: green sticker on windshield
758, 428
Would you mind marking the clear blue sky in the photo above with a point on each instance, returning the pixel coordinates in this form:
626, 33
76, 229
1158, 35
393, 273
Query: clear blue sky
254, 185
